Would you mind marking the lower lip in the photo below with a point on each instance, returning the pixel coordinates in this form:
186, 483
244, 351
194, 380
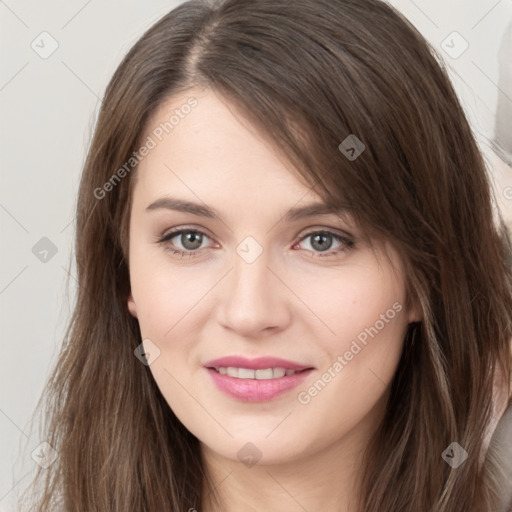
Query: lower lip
257, 390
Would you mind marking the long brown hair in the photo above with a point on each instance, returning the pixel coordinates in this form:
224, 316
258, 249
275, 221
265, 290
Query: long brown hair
308, 73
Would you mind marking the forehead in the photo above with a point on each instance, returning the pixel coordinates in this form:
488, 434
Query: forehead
211, 149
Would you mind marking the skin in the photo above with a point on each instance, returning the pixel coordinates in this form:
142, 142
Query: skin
290, 303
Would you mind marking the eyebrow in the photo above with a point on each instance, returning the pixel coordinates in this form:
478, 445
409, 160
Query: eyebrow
294, 214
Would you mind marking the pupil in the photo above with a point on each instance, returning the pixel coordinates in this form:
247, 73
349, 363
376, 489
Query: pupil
321, 246
189, 237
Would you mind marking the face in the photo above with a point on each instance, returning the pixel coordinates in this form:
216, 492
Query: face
262, 327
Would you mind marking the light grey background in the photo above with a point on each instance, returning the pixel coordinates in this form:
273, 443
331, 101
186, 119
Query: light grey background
48, 107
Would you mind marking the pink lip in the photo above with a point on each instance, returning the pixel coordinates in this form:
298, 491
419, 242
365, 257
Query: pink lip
256, 390
260, 363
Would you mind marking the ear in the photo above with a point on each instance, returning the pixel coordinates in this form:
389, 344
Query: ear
132, 308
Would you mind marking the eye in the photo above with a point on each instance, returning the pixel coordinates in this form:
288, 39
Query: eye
322, 241
190, 239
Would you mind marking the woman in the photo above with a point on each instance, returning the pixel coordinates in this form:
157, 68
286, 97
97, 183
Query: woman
294, 291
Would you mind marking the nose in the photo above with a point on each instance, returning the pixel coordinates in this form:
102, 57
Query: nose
254, 298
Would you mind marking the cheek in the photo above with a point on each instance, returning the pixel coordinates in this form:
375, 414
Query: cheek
164, 294
356, 303
168, 303
363, 327
368, 318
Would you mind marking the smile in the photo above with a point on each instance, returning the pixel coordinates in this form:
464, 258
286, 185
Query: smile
248, 373
256, 380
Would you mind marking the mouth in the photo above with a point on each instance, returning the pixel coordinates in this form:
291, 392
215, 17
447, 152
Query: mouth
260, 374
257, 380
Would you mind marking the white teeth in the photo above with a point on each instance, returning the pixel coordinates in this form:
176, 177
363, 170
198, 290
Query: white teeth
232, 372
244, 373
280, 372
265, 374
247, 373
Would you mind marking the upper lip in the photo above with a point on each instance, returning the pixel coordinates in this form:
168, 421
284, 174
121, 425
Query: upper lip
259, 363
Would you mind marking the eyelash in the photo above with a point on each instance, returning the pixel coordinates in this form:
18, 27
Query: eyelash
349, 243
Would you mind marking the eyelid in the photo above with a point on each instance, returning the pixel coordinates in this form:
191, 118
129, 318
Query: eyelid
347, 240
303, 233
176, 231
320, 229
